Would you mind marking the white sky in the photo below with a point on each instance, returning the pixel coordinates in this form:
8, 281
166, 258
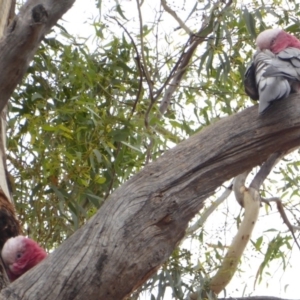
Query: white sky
77, 21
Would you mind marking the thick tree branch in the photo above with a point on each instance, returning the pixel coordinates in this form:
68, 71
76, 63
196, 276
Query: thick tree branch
141, 223
256, 298
22, 38
10, 225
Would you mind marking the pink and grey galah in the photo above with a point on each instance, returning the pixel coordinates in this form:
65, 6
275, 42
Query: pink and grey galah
275, 70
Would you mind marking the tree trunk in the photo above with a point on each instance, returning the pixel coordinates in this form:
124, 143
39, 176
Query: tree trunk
141, 223
7, 209
6, 15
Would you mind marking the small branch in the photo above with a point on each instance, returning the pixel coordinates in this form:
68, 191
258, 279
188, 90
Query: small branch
255, 298
295, 228
232, 258
179, 70
283, 215
113, 172
199, 223
265, 170
183, 63
144, 66
191, 12
176, 66
139, 65
174, 15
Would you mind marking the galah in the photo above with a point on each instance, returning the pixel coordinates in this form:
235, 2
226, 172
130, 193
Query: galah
20, 254
275, 70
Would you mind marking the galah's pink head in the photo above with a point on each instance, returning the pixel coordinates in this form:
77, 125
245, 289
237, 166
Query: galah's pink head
21, 254
276, 40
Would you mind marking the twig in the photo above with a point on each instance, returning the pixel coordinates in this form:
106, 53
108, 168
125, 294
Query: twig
174, 15
176, 66
182, 64
148, 80
265, 170
144, 66
199, 223
283, 216
191, 12
139, 65
255, 298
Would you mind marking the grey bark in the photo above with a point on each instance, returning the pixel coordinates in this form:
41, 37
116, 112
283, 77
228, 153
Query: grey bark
256, 298
141, 223
7, 9
22, 39
18, 43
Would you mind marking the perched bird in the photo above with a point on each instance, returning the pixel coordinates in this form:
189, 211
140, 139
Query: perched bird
274, 72
20, 254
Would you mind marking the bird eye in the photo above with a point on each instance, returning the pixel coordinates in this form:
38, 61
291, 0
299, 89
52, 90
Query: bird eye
19, 255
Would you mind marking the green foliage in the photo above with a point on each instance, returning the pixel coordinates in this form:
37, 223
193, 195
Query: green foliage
83, 121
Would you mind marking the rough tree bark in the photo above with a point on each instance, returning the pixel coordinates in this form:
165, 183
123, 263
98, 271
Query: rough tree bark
138, 227
22, 39
7, 211
6, 14
255, 298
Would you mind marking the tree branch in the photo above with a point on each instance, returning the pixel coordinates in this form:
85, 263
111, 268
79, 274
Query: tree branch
255, 298
265, 170
5, 8
139, 66
174, 15
283, 216
181, 65
141, 223
22, 38
10, 225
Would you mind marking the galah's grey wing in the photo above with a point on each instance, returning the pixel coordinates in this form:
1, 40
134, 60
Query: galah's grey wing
286, 64
292, 55
270, 88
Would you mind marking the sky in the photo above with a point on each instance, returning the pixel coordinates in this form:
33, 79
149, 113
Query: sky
79, 18
77, 21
